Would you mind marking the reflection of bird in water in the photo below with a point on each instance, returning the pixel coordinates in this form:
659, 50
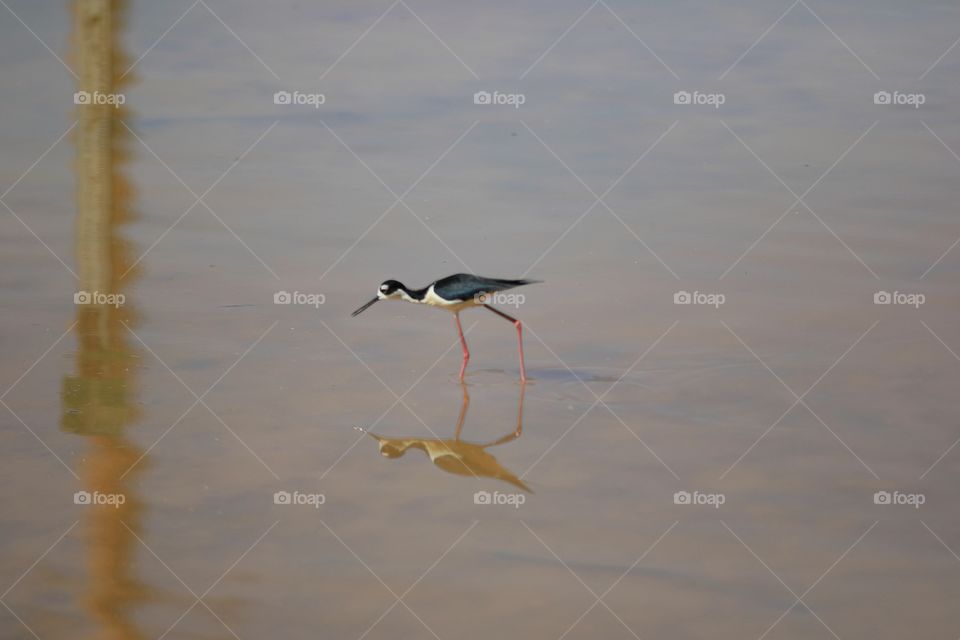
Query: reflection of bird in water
456, 293
456, 455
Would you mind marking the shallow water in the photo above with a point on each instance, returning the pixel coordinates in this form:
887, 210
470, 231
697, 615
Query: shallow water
784, 409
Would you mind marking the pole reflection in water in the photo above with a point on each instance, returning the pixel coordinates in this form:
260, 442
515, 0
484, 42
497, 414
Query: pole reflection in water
99, 398
458, 456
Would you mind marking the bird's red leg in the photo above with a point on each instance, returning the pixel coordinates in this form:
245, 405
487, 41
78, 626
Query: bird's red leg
519, 326
463, 343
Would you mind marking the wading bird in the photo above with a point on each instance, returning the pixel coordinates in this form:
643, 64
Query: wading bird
456, 293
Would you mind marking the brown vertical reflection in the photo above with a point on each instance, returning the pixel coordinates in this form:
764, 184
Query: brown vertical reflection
99, 398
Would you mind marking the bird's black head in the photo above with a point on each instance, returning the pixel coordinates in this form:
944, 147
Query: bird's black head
389, 287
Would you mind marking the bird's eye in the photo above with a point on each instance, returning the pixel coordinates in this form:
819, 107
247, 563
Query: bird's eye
384, 287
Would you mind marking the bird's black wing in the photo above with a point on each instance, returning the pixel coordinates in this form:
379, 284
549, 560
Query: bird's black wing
463, 286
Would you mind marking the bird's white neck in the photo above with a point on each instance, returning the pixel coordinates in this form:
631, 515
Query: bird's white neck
408, 298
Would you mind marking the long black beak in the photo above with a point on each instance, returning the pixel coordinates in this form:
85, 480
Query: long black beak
363, 308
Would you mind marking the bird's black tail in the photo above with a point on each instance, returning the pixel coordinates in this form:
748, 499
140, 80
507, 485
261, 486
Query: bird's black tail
515, 283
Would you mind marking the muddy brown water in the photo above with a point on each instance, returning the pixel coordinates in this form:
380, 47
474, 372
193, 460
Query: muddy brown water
698, 469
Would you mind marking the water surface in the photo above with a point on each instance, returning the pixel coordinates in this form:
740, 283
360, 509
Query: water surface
198, 399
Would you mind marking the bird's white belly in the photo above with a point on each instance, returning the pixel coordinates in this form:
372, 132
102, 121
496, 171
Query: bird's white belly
432, 299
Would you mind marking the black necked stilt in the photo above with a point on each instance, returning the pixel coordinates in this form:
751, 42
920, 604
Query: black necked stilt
456, 293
